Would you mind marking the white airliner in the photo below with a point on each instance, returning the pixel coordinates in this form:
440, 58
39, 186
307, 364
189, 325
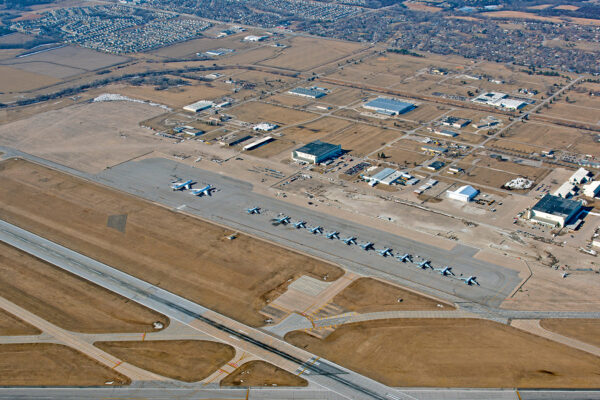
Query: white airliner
182, 185
205, 191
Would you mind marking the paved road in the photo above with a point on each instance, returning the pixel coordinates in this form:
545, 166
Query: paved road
323, 373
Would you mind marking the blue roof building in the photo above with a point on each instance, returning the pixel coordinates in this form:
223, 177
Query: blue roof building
389, 106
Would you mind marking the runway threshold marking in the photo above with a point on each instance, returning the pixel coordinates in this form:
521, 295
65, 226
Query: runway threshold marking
307, 365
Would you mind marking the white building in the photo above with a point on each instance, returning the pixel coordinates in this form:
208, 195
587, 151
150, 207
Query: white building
580, 176
264, 127
254, 38
199, 106
464, 193
565, 190
257, 143
592, 189
498, 99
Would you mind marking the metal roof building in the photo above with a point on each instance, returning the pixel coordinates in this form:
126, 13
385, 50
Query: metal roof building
554, 210
312, 93
199, 106
565, 190
580, 176
316, 152
389, 106
463, 193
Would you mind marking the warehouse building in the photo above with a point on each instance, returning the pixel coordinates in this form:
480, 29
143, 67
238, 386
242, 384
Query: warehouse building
316, 152
592, 189
386, 176
254, 38
199, 106
554, 211
464, 193
312, 93
387, 106
257, 143
565, 190
582, 175
498, 99
446, 132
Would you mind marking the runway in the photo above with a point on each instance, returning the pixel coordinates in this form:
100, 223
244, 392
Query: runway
323, 373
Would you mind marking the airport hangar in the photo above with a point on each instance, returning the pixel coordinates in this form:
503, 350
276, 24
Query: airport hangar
316, 152
388, 106
555, 211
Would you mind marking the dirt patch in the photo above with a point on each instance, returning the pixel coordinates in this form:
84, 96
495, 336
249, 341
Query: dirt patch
184, 360
366, 295
261, 373
586, 330
453, 353
67, 300
46, 364
11, 326
227, 276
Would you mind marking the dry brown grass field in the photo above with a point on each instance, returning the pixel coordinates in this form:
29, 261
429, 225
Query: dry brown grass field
515, 146
575, 111
81, 136
64, 61
366, 295
315, 130
520, 14
191, 47
425, 112
255, 112
47, 364
543, 135
16, 80
418, 6
307, 53
453, 353
261, 373
488, 176
534, 173
342, 96
11, 326
273, 148
586, 330
290, 100
362, 139
227, 276
406, 158
67, 300
184, 360
175, 98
